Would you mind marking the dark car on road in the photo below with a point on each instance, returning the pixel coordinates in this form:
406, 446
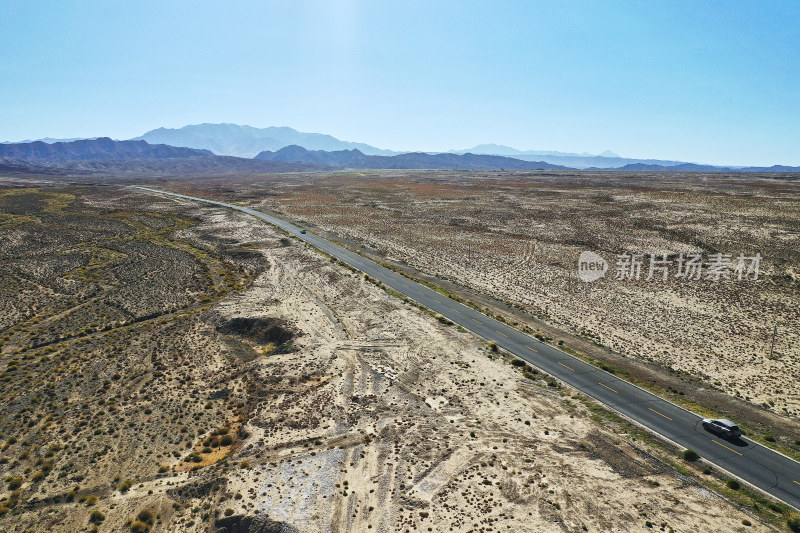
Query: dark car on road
722, 427
302, 231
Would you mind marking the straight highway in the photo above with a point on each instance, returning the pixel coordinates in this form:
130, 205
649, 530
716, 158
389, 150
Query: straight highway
758, 465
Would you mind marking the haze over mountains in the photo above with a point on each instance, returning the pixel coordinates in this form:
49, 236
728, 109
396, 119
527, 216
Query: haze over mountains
102, 148
583, 160
411, 160
247, 141
226, 148
499, 149
106, 156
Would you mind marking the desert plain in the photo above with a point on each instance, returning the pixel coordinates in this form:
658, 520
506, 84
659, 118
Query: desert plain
170, 366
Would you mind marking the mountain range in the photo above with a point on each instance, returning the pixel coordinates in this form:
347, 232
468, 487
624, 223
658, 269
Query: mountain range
412, 160
583, 160
247, 141
693, 167
101, 148
106, 156
225, 148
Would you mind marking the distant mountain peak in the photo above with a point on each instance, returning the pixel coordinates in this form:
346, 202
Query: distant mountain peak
247, 141
508, 151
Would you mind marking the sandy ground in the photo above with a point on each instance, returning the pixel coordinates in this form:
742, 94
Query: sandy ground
374, 417
519, 237
398, 423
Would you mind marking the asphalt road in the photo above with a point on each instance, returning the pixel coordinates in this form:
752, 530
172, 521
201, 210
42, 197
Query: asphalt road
758, 465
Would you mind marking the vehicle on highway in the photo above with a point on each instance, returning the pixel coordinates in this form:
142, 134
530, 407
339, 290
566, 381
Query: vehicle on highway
302, 231
722, 427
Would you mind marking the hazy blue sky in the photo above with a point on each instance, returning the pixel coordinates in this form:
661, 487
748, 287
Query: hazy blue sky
715, 82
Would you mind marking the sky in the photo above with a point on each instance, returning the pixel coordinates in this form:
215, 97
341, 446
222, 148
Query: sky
714, 82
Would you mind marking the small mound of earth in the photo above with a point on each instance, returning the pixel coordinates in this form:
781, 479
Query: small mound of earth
258, 330
252, 524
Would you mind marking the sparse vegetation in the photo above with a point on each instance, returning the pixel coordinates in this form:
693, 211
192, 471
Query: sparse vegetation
690, 455
96, 517
435, 224
133, 387
137, 526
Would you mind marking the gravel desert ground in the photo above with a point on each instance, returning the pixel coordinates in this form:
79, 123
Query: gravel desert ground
518, 236
226, 376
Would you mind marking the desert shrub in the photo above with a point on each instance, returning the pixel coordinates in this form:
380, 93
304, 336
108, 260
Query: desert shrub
493, 346
95, 517
139, 527
125, 485
690, 455
226, 440
733, 484
443, 319
228, 511
746, 522
769, 438
207, 450
147, 516
777, 508
794, 523
91, 500
518, 362
14, 482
